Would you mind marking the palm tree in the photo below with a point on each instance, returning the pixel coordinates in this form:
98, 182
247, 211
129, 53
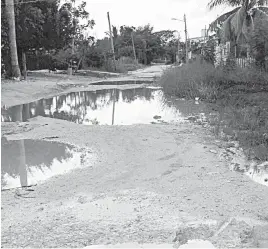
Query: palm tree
237, 3
239, 24
12, 38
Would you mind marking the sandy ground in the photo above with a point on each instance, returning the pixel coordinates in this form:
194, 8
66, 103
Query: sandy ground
148, 184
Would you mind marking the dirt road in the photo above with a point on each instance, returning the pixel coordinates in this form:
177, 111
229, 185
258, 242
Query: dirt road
159, 184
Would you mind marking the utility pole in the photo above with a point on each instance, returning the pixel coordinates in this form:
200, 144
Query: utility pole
178, 46
111, 39
186, 45
134, 52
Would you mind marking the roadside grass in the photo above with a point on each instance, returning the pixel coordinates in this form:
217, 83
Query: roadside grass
123, 65
240, 95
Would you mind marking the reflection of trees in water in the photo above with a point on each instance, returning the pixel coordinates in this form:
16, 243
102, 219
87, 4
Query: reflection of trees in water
78, 103
130, 95
21, 164
26, 112
60, 100
23, 112
28, 152
13, 159
66, 116
33, 153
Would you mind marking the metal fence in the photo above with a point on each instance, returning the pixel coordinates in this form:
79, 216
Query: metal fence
244, 62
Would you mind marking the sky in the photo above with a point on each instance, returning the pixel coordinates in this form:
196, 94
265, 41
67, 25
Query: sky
158, 13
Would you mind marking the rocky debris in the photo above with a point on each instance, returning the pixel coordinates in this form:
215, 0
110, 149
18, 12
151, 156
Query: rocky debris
213, 151
191, 118
186, 233
234, 234
82, 199
230, 233
261, 236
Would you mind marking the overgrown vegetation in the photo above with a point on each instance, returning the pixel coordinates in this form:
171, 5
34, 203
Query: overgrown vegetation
56, 35
239, 94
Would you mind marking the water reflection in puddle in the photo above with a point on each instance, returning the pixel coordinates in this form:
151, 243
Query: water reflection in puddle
258, 173
27, 162
104, 107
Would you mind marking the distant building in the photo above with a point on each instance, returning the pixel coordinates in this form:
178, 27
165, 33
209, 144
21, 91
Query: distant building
204, 32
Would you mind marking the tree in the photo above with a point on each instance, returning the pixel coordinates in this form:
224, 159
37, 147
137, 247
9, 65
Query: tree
36, 29
74, 22
29, 26
12, 38
238, 25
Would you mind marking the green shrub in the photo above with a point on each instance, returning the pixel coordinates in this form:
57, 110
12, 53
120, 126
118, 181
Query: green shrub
123, 65
192, 80
241, 95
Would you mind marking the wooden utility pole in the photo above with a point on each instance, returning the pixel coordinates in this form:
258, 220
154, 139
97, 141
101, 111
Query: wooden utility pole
186, 45
178, 59
134, 52
24, 65
111, 39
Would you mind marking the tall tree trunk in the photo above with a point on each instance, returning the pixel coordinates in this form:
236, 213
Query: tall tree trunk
79, 62
37, 59
70, 67
24, 65
144, 52
12, 38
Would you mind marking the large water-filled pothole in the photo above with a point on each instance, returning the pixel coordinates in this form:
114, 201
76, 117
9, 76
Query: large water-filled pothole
105, 107
28, 162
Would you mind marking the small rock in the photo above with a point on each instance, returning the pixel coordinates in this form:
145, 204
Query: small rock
234, 234
232, 150
213, 173
82, 199
192, 118
213, 151
230, 144
156, 117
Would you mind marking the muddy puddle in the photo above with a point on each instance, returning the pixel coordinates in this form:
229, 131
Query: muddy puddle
106, 107
28, 162
145, 105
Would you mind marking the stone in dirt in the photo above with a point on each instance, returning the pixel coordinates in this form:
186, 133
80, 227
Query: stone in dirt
234, 234
192, 118
231, 233
213, 151
187, 233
